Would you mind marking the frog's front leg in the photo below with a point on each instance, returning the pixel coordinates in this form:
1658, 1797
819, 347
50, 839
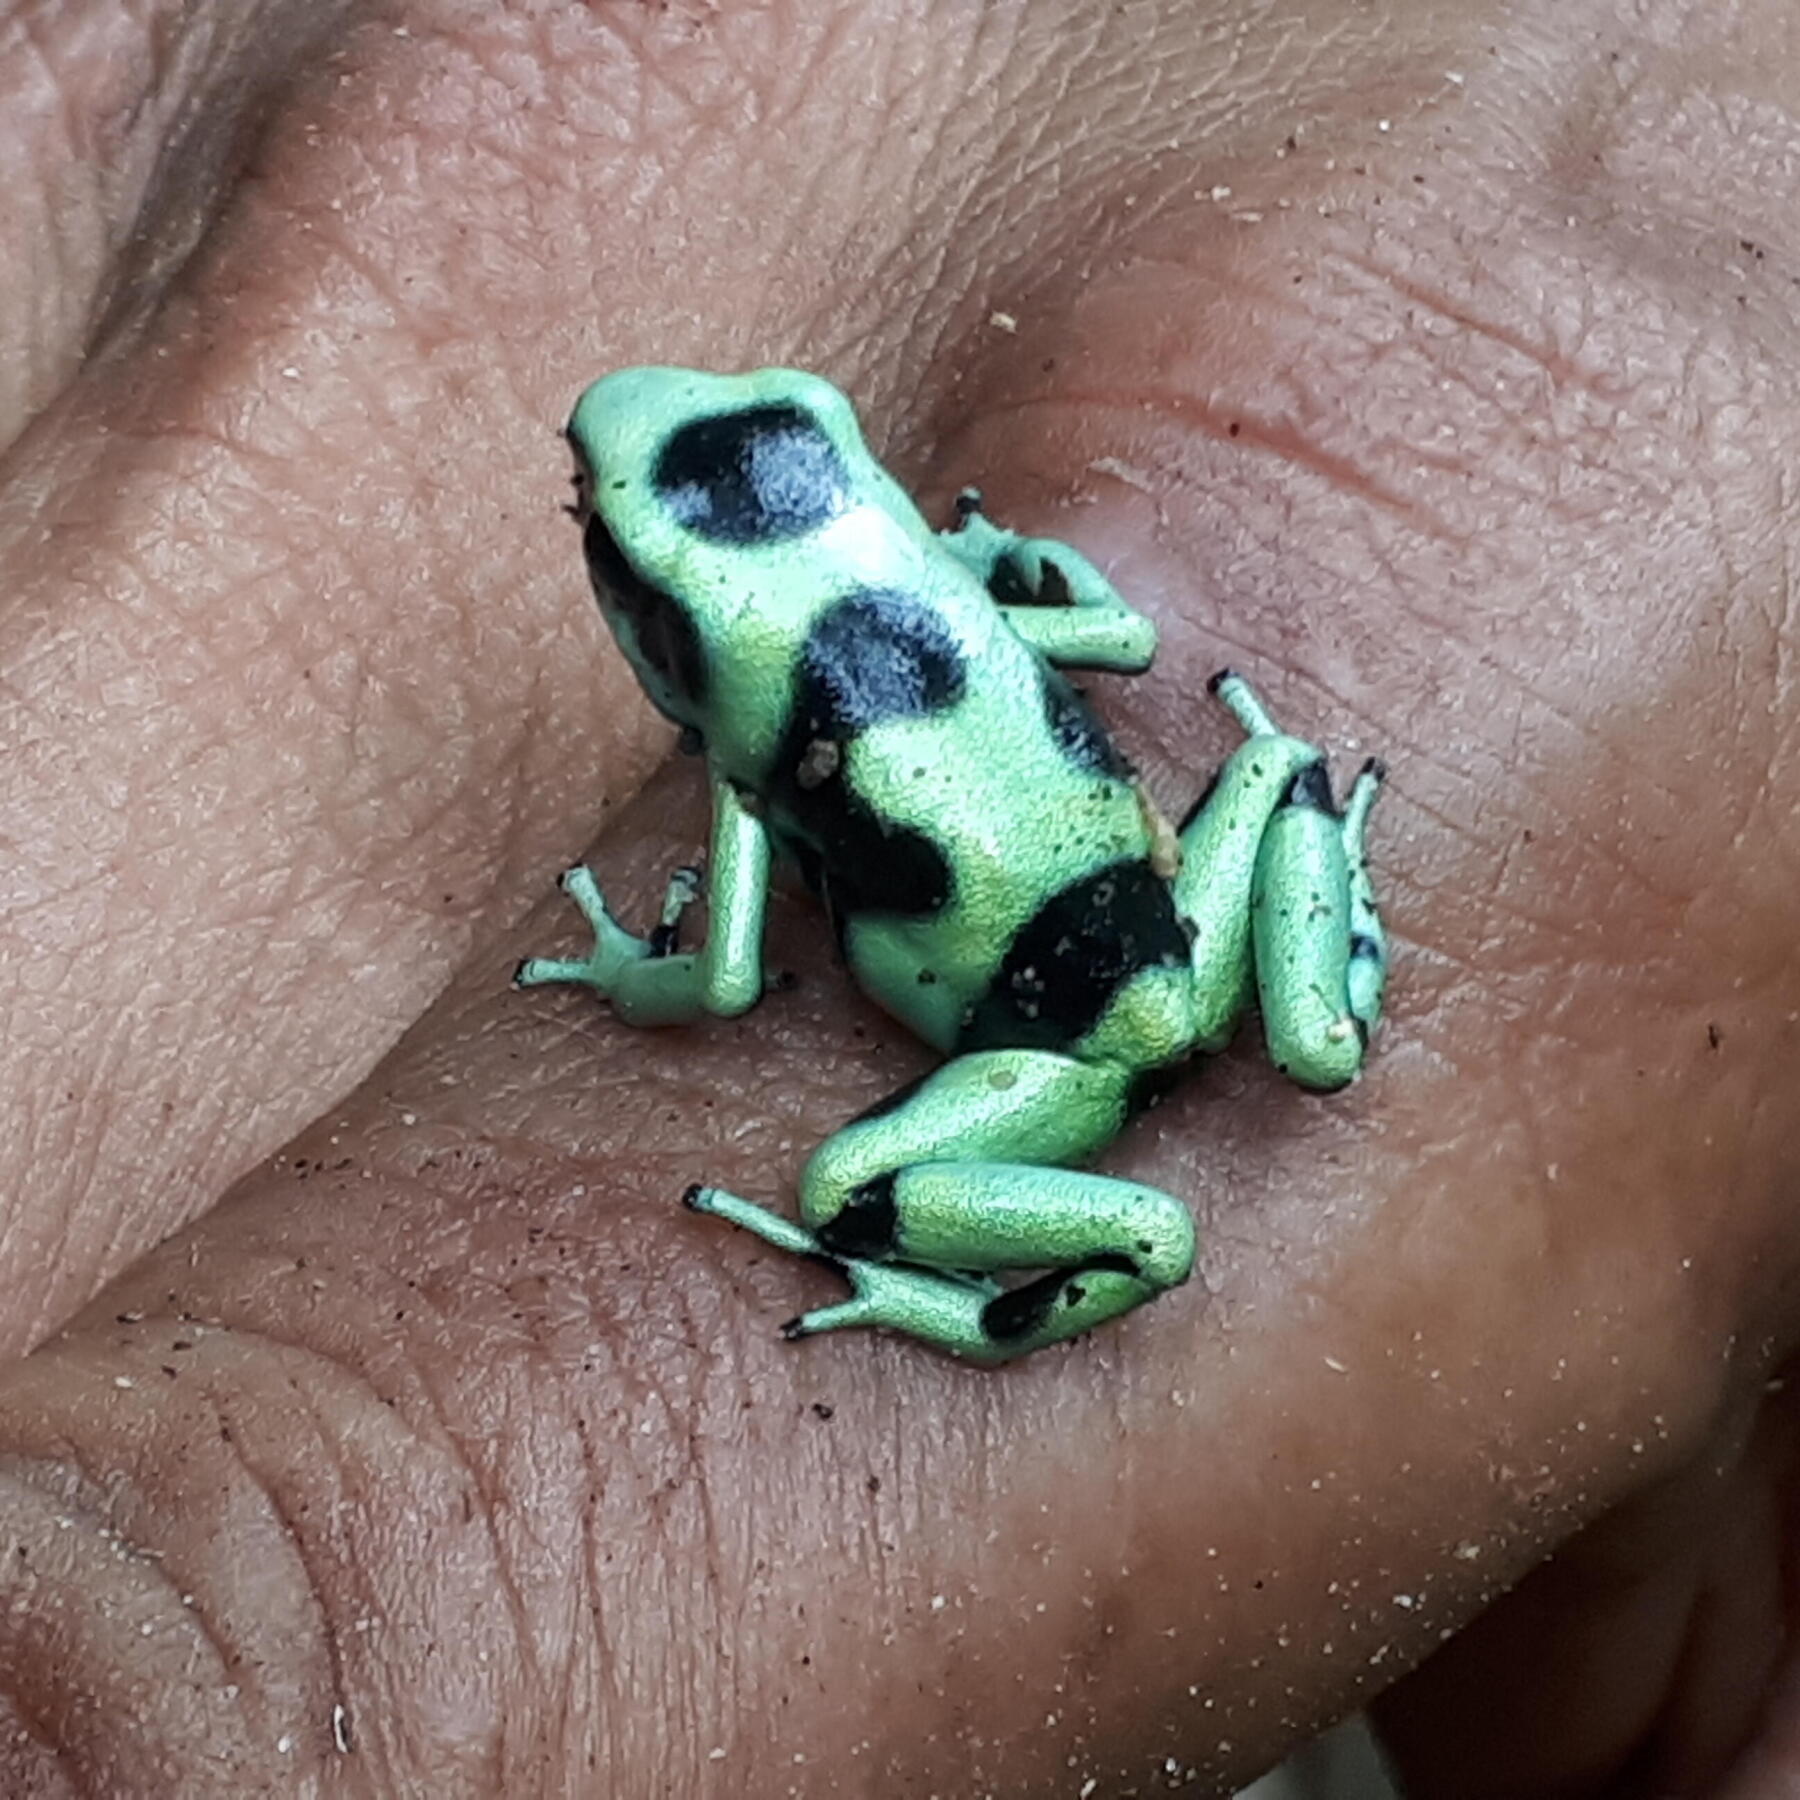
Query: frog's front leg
959, 1178
647, 980
1052, 596
1274, 882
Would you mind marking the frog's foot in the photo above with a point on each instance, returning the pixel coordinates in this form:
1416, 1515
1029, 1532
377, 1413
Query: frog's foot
974, 1319
1050, 594
943, 1307
615, 949
1022, 571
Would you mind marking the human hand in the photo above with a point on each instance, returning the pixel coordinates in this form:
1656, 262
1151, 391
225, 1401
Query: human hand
1431, 365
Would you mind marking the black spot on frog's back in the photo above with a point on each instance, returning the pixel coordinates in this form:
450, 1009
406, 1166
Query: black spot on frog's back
1064, 967
875, 657
759, 476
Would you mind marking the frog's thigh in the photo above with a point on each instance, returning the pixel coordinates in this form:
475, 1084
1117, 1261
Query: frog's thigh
1220, 845
1006, 1106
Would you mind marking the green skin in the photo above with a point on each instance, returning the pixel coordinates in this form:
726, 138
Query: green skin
998, 878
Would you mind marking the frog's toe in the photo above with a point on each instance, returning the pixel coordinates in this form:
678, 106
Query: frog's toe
771, 1227
543, 971
581, 887
852, 1314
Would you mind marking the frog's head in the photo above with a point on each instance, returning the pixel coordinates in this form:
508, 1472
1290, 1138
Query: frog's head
704, 498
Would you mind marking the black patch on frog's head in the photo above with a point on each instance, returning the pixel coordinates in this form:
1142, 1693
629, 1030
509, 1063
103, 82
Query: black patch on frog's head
1061, 971
1078, 733
868, 1223
760, 476
872, 658
655, 630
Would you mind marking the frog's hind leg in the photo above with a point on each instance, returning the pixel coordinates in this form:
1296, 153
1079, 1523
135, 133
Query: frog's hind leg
1274, 882
954, 1180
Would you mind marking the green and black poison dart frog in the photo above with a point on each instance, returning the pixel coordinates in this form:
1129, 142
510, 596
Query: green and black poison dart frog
882, 705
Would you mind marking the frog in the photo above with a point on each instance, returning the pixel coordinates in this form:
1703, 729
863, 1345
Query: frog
887, 709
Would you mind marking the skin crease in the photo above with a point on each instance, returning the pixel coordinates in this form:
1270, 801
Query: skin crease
1431, 363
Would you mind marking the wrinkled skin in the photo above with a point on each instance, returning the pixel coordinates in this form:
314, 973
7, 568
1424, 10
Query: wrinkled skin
1465, 420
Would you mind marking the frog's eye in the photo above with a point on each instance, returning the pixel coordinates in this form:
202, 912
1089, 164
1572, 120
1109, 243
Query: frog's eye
759, 476
582, 478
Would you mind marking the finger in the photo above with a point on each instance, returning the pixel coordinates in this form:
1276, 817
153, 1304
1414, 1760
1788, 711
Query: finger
124, 126
464, 1327
1651, 1654
300, 682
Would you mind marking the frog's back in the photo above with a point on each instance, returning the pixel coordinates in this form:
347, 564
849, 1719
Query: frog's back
978, 840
